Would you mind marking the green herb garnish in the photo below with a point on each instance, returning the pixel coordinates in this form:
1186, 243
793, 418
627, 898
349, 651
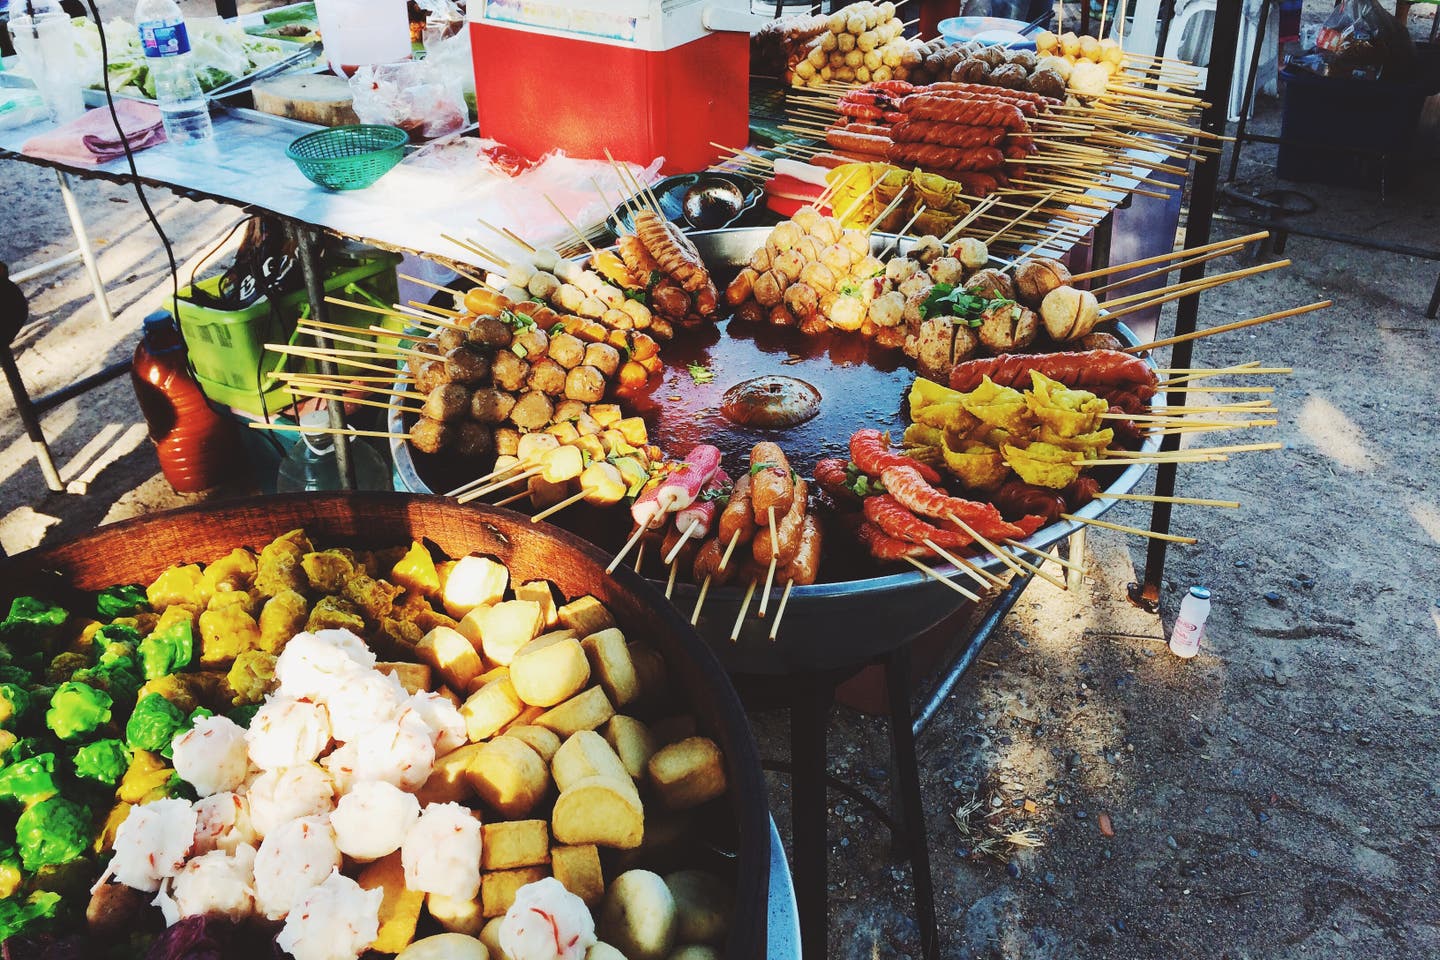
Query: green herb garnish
700, 373
757, 468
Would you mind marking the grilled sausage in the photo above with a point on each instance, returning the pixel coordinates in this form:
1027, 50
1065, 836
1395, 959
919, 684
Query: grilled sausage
770, 484
786, 540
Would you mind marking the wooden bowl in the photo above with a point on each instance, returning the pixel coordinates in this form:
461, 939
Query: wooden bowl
136, 551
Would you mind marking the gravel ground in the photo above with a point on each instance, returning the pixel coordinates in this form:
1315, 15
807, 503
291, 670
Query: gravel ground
1275, 797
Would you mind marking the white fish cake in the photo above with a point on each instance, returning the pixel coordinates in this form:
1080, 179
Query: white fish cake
291, 861
222, 822
286, 731
365, 700
315, 664
547, 922
442, 717
215, 883
400, 751
372, 819
335, 920
441, 853
212, 756
152, 844
279, 796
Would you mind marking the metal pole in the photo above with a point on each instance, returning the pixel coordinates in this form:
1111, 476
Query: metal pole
82, 240
1197, 233
809, 812
30, 419
315, 288
1249, 92
912, 803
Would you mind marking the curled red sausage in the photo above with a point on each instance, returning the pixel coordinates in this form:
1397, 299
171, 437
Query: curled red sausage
871, 453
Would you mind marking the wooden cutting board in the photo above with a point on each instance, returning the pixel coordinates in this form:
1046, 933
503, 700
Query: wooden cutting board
321, 98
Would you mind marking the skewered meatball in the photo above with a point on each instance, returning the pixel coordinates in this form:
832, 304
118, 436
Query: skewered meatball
489, 405
868, 266
507, 441
809, 247
592, 308
784, 236
780, 316
967, 342
1100, 341
991, 284
971, 70
585, 384
806, 218
887, 310
818, 276
1036, 278
971, 252
933, 348
509, 371
920, 283
789, 264
802, 300
769, 288
760, 260
543, 285
836, 257
602, 357
431, 348
901, 269
449, 401
927, 249
547, 376
617, 319
638, 312
1011, 77
532, 411
1022, 58
448, 339
430, 436
429, 375
1069, 313
847, 313
465, 364
473, 440
532, 342
995, 56
1008, 327
857, 242
568, 410
566, 350
1048, 83
947, 270
750, 312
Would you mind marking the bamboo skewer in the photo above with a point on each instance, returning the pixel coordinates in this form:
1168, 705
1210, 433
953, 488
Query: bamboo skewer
1136, 531
980, 575
1188, 501
1225, 328
639, 557
571, 224
1067, 564
431, 308
629, 545
433, 286
381, 311
1036, 571
1163, 294
556, 508
680, 544
725, 560
780, 610
316, 354
670, 581
774, 561
937, 575
990, 547
700, 600
359, 401
1165, 257
1161, 271
337, 379
901, 232
744, 609
380, 349
512, 498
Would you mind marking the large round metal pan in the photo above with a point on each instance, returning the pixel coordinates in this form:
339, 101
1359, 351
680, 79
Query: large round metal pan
136, 551
827, 625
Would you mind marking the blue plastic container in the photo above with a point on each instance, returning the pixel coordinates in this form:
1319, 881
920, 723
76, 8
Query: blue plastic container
960, 29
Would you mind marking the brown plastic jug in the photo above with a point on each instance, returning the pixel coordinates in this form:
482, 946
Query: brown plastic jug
198, 447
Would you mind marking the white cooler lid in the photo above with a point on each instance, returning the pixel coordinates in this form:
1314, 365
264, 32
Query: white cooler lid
638, 24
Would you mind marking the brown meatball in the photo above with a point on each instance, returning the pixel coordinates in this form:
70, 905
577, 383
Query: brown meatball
532, 342
447, 339
489, 405
602, 357
585, 384
449, 401
995, 56
670, 300
972, 70
430, 348
473, 440
532, 411
430, 436
1048, 83
566, 350
1023, 58
547, 376
1011, 77
1035, 278
991, 284
1100, 341
490, 331
429, 375
509, 371
568, 410
750, 312
465, 364
507, 441
1008, 327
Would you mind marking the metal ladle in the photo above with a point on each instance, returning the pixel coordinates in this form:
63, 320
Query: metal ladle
711, 204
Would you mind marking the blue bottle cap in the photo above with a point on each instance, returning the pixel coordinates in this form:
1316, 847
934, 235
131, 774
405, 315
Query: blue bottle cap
1200, 593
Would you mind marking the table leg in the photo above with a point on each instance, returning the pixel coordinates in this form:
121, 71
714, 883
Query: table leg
809, 812
82, 241
308, 249
907, 782
28, 416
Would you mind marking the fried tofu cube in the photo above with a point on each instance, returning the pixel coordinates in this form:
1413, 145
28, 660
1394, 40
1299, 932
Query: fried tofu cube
456, 915
539, 591
450, 653
578, 868
399, 907
448, 782
586, 754
474, 582
414, 677
599, 810
584, 711
632, 742
504, 628
490, 708
688, 773
550, 669
543, 741
498, 888
585, 616
508, 776
610, 662
514, 843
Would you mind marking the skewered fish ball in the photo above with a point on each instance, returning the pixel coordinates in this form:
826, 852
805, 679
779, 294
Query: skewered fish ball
585, 384
448, 401
970, 251
857, 242
533, 341
785, 236
1045, 41
569, 297
430, 436
490, 332
1100, 341
509, 371
900, 269
430, 348
1036, 278
926, 249
818, 276
947, 270
473, 440
806, 218
1008, 327
836, 257
760, 260
429, 375
1089, 47
490, 405
1055, 65
1011, 77
543, 285
567, 350
868, 266
809, 247
447, 339
507, 441
1111, 51
546, 376
1069, 313
789, 264
802, 300
847, 313
887, 310
769, 288
1070, 44
465, 364
991, 284
918, 284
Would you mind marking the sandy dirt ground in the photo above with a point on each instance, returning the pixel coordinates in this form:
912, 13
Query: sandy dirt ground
1276, 797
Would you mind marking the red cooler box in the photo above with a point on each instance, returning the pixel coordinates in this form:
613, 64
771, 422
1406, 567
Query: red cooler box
641, 78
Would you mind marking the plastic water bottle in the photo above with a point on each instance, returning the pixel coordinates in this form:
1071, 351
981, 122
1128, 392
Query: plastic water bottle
1190, 624
310, 464
44, 40
167, 54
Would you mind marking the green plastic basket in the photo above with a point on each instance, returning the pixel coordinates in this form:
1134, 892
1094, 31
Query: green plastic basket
348, 158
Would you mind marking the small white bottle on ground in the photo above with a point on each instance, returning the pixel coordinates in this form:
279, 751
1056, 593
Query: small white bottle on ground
1190, 624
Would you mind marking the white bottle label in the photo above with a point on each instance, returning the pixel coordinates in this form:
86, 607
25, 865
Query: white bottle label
1185, 640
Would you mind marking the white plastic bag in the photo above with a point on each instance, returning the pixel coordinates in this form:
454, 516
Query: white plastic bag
414, 95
